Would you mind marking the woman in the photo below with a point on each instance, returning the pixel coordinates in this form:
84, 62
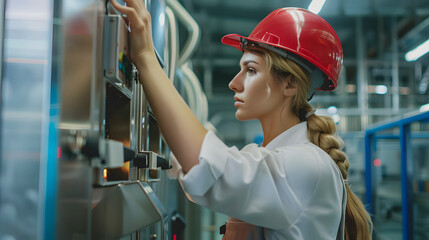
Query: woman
293, 186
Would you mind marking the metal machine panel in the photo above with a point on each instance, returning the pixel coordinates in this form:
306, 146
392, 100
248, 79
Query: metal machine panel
117, 65
81, 64
122, 209
80, 109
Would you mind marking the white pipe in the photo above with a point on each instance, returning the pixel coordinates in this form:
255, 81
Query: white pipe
196, 89
190, 96
205, 106
172, 43
192, 27
197, 100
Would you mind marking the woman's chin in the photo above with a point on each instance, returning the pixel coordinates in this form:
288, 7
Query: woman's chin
241, 117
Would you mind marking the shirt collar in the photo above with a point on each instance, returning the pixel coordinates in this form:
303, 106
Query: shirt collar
294, 135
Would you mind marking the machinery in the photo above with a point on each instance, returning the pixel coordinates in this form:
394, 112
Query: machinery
99, 171
114, 153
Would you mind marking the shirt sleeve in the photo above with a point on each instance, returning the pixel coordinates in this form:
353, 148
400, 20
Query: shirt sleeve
250, 184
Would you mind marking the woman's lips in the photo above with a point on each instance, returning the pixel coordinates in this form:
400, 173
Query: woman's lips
238, 101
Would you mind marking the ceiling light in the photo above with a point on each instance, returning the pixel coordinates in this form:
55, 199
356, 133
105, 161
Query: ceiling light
332, 110
380, 89
424, 108
417, 52
315, 6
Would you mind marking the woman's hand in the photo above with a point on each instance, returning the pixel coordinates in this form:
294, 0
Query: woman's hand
182, 131
141, 29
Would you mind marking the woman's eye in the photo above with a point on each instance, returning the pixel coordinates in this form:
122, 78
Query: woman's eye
251, 70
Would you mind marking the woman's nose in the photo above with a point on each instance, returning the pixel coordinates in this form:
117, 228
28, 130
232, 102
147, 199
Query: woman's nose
236, 84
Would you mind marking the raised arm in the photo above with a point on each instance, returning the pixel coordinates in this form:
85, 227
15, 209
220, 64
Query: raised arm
181, 129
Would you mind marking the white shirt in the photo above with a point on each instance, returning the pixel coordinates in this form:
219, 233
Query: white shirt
291, 187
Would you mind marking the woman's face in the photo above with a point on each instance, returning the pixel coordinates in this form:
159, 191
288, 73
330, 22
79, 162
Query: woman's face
257, 94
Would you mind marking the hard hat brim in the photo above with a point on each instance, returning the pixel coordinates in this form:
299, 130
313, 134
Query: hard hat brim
233, 40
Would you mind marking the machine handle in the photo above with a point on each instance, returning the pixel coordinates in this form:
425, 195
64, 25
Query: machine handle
151, 160
129, 154
163, 163
92, 149
141, 160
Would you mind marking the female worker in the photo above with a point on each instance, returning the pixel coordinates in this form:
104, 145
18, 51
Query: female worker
293, 186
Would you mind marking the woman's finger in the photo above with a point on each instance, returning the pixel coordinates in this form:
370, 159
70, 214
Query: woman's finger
139, 22
118, 6
136, 4
140, 8
132, 16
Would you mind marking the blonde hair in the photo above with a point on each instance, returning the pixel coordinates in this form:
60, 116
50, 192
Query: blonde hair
321, 130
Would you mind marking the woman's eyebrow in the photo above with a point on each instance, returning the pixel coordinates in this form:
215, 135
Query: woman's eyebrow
246, 62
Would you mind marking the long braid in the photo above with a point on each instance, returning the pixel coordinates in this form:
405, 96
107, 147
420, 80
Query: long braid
321, 132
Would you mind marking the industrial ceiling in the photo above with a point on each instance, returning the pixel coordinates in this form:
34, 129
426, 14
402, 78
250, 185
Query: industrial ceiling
375, 35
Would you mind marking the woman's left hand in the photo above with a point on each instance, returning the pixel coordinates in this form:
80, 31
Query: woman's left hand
139, 20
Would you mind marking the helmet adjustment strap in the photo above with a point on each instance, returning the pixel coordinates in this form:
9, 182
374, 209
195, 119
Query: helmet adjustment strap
317, 80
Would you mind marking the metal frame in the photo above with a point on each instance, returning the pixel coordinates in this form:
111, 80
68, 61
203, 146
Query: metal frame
2, 18
406, 168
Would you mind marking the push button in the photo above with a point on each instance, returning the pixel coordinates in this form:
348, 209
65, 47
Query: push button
121, 56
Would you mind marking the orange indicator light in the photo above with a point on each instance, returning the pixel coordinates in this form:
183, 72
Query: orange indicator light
104, 173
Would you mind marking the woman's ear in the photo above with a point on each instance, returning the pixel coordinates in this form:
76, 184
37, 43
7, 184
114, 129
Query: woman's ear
289, 87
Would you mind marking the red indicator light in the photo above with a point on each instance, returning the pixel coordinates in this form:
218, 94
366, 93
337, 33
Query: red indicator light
59, 152
174, 237
377, 162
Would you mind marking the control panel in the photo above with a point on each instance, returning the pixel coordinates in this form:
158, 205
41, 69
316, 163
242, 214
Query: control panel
117, 64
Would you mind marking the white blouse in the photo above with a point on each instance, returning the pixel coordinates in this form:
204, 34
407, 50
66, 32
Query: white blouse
291, 187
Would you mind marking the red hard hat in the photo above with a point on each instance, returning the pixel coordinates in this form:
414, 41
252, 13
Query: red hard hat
300, 35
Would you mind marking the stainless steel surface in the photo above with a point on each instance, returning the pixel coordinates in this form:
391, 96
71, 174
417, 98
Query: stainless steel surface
82, 108
159, 207
74, 205
123, 209
26, 62
82, 69
142, 116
